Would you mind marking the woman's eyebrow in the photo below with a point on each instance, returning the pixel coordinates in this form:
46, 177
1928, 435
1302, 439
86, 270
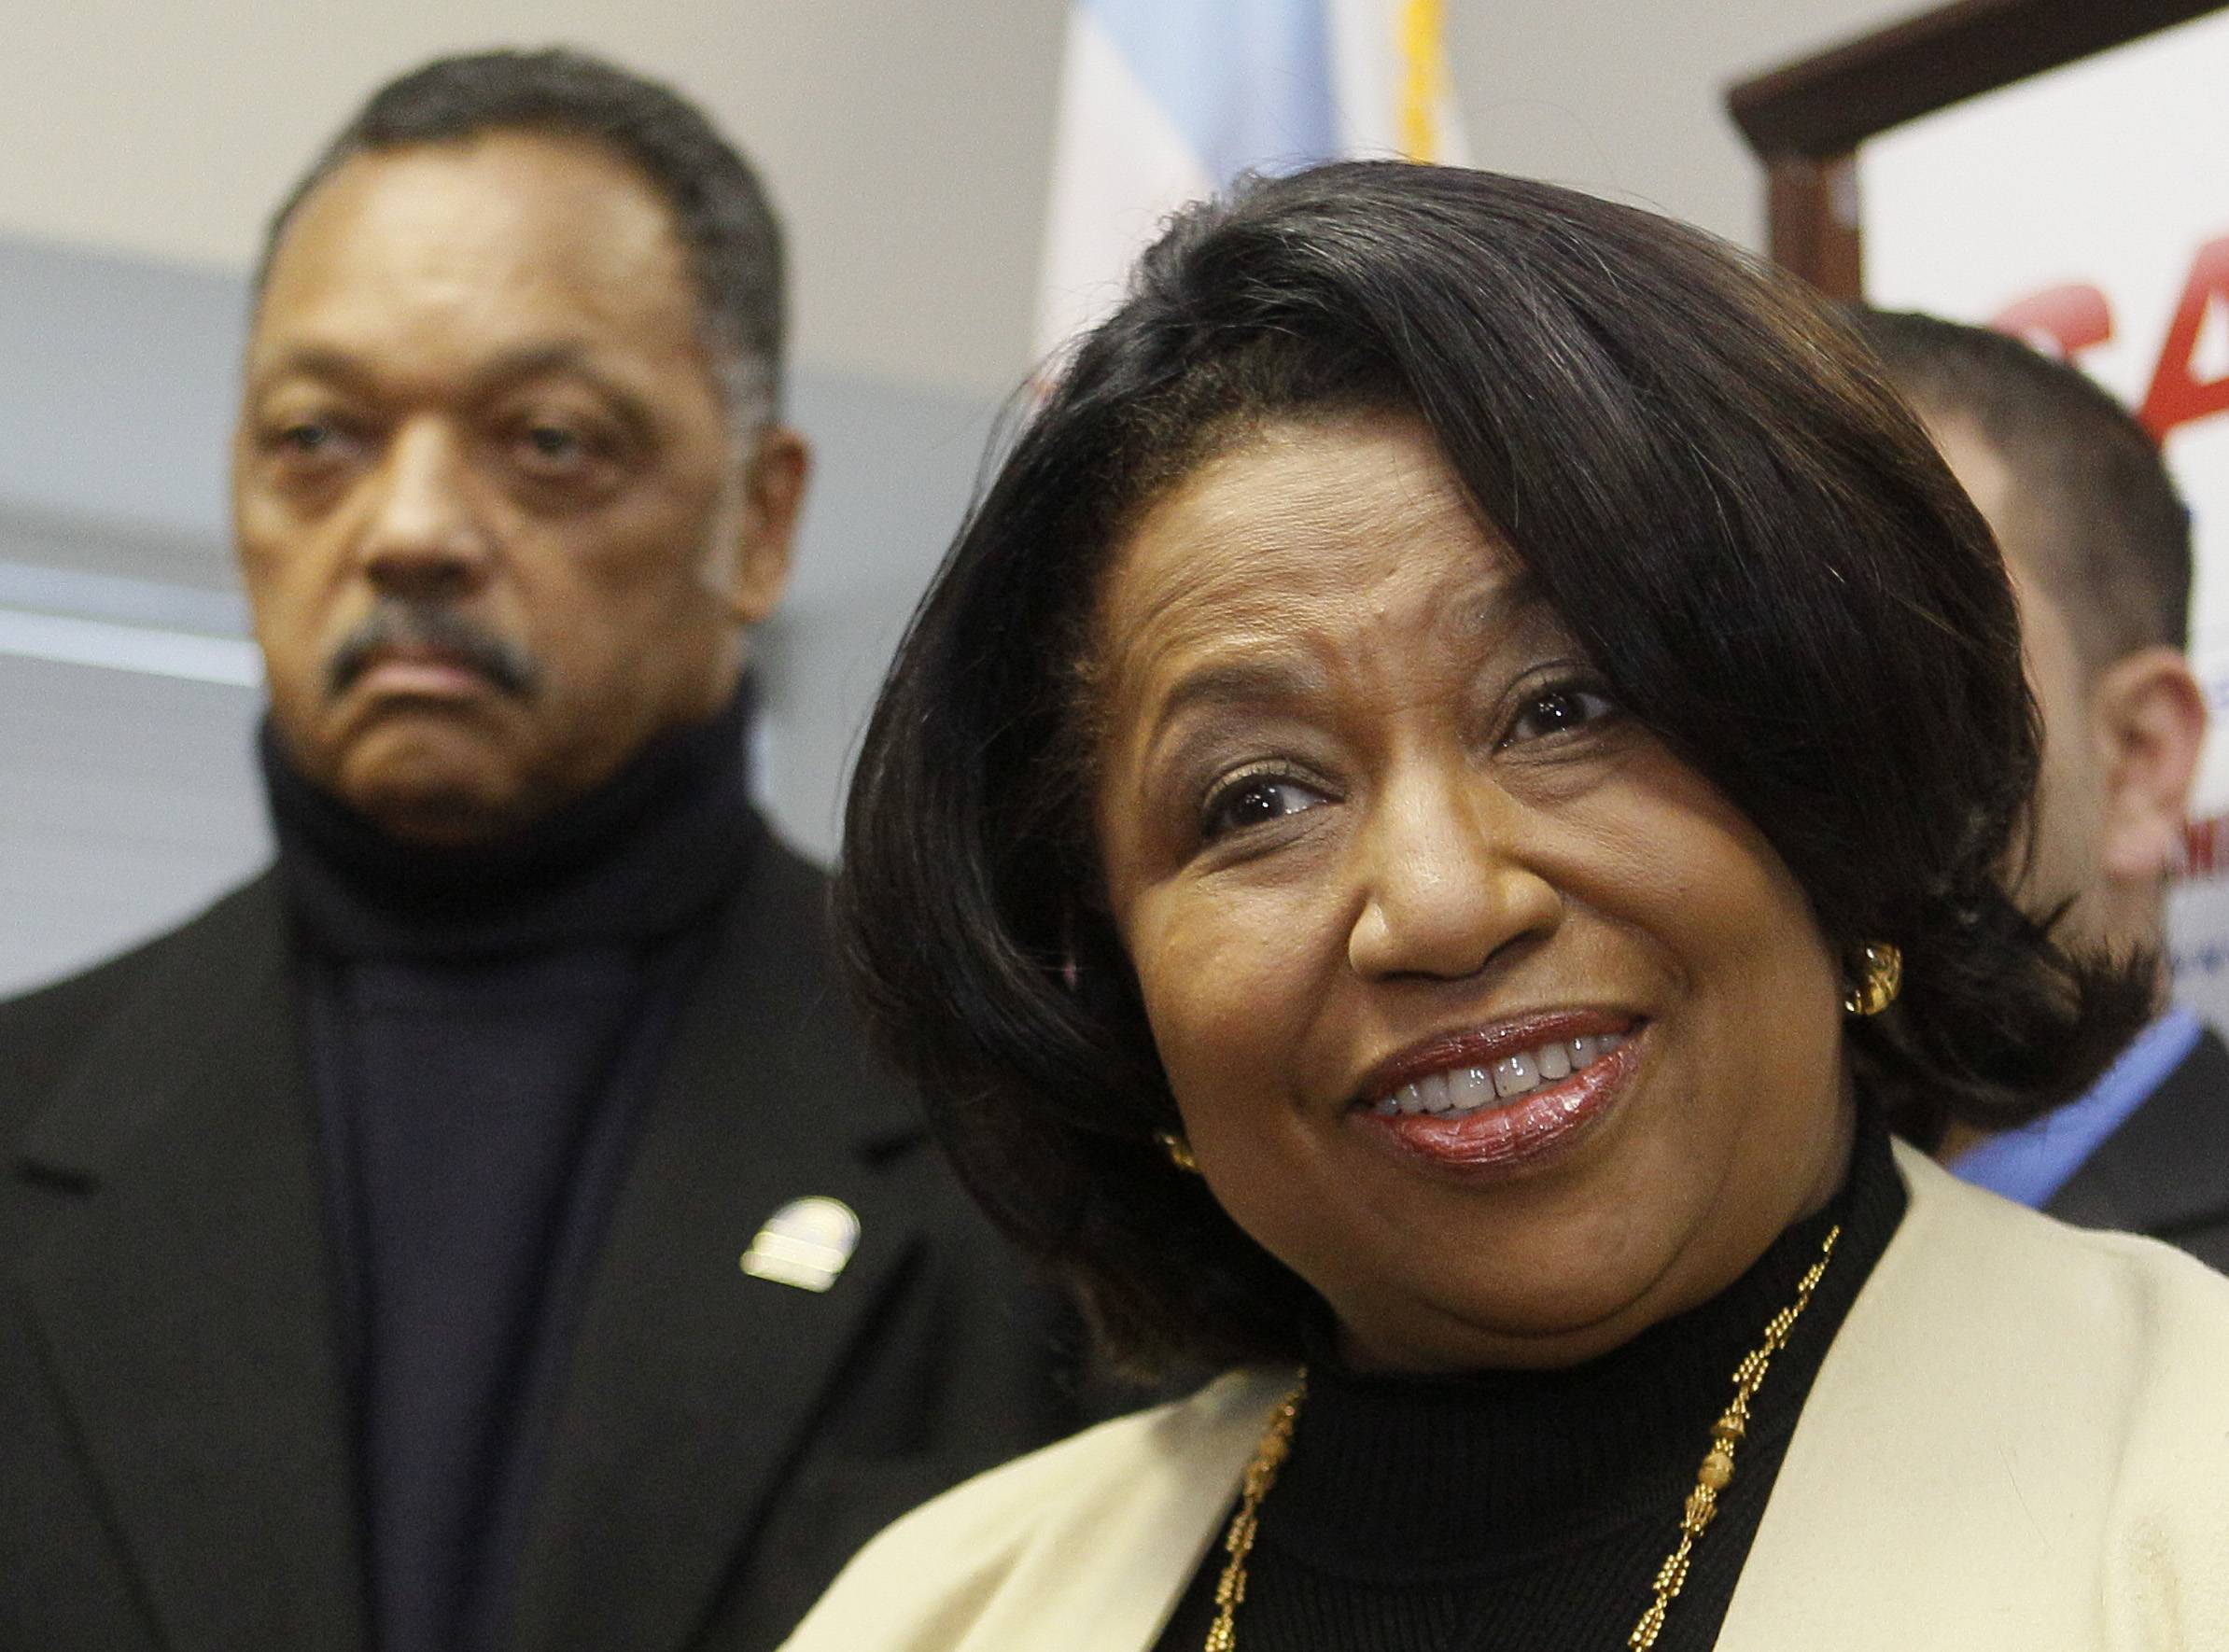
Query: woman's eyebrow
1513, 612
1262, 680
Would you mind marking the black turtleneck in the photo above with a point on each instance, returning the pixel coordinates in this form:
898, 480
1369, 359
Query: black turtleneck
483, 1025
1520, 1510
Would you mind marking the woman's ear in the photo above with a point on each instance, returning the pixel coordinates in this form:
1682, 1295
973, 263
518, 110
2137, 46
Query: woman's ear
2147, 716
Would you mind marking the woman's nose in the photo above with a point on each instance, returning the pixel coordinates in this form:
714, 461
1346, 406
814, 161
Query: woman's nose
1445, 889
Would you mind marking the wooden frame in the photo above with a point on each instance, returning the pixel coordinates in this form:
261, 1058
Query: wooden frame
1805, 119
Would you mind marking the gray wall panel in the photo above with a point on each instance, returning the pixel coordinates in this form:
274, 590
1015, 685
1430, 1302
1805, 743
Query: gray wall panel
126, 803
118, 381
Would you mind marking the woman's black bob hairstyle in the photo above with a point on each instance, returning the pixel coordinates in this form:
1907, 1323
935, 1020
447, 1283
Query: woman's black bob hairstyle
1705, 475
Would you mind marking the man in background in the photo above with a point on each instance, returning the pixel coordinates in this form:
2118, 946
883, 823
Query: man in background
484, 1229
2099, 549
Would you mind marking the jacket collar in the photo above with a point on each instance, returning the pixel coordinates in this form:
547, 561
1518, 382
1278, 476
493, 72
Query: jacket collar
183, 1287
2010, 1401
692, 1384
2166, 1170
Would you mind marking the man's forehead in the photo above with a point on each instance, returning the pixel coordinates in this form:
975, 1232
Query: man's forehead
439, 269
506, 217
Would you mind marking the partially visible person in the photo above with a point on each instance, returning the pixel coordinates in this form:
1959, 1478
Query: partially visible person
1446, 809
485, 1230
2098, 546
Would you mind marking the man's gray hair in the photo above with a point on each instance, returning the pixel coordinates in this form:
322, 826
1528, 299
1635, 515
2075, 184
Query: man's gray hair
721, 213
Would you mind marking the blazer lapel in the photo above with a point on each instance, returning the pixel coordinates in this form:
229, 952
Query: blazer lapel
1086, 1547
2166, 1171
1947, 1437
692, 1382
179, 1284
1114, 1574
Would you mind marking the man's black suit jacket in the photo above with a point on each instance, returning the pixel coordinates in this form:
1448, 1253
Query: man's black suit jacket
2166, 1171
174, 1467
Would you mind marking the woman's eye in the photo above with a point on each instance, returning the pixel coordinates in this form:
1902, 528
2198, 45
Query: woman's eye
1256, 800
1554, 710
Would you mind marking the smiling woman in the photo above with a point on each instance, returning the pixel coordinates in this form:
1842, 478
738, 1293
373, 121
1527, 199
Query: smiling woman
1379, 846
1456, 790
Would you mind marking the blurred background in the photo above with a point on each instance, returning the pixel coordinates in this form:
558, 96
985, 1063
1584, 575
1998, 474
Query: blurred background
910, 147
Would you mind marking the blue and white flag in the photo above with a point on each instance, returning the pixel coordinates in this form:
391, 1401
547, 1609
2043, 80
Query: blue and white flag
1165, 101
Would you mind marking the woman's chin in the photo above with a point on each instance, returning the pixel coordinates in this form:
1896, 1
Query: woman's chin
1562, 1280
1567, 1321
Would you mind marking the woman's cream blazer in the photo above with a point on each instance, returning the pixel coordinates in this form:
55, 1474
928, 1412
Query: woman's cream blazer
2019, 1443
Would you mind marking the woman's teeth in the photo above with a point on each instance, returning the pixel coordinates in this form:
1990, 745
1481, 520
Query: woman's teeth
1466, 1090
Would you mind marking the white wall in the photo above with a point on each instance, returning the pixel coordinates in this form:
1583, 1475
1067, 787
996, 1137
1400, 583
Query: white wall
1625, 97
906, 140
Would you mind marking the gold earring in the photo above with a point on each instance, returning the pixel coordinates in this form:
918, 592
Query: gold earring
1879, 979
1173, 1143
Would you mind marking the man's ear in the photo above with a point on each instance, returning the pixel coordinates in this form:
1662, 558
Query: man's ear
2147, 715
773, 493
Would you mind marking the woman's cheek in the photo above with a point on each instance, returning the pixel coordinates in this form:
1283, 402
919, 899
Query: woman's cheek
1227, 990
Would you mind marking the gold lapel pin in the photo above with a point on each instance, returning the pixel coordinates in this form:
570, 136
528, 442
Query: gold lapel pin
805, 1243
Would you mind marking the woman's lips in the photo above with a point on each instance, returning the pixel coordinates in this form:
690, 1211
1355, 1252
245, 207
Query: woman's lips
1487, 1077
1505, 1131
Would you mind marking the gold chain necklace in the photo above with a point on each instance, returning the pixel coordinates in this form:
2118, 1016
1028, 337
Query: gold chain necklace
1711, 1479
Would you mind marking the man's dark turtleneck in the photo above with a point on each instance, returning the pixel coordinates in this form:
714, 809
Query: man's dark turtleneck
484, 1025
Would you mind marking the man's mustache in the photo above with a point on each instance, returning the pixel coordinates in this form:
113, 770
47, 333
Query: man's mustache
398, 624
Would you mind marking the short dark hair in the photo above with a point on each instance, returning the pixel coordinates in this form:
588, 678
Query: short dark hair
721, 213
2114, 546
1701, 470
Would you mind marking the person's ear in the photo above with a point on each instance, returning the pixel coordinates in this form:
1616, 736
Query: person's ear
2147, 716
773, 494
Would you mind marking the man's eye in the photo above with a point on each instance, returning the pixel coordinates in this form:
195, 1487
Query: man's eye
310, 450
1554, 710
308, 435
1255, 800
554, 442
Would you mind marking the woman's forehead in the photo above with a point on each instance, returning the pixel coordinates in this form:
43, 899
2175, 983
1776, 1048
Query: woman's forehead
1309, 527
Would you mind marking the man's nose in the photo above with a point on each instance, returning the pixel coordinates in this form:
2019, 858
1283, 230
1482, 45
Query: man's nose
426, 535
1446, 886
